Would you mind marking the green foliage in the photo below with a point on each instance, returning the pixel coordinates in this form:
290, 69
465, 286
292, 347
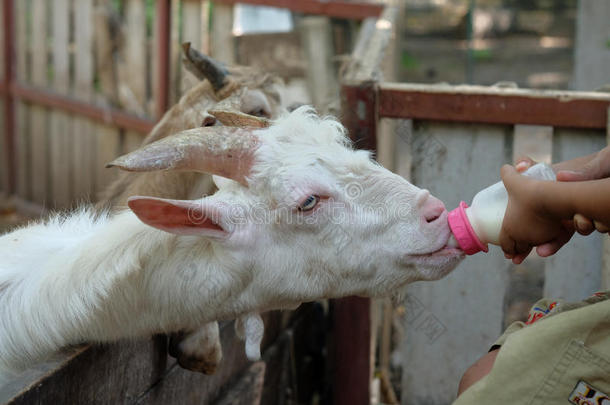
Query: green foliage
482, 55
150, 16
408, 61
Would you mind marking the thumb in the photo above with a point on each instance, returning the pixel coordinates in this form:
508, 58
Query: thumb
509, 174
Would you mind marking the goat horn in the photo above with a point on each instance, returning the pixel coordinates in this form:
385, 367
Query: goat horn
204, 67
225, 151
232, 118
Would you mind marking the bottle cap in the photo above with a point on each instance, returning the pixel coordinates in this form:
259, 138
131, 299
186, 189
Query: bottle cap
463, 232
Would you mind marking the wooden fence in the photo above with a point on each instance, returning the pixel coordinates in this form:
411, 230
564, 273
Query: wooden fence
84, 80
453, 140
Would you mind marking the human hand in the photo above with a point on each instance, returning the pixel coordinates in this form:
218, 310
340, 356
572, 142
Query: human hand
552, 247
596, 168
526, 222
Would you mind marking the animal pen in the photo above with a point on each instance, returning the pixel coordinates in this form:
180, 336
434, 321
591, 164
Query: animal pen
62, 123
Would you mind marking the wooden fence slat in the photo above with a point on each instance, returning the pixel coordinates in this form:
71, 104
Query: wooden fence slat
108, 148
132, 80
534, 141
582, 253
204, 33
222, 43
606, 242
21, 109
131, 141
135, 65
448, 322
104, 53
2, 43
3, 178
60, 136
83, 146
191, 32
316, 38
175, 69
108, 138
39, 146
3, 174
152, 54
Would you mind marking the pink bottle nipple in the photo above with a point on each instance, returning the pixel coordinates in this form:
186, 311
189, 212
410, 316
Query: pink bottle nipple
465, 236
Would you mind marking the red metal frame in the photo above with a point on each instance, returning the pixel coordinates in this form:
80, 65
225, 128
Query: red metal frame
494, 106
356, 10
110, 116
352, 315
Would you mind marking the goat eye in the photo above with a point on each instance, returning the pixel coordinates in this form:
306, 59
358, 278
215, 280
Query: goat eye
309, 203
259, 112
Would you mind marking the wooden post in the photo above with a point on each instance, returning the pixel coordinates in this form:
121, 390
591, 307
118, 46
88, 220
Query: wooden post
107, 137
60, 136
352, 315
317, 42
191, 32
22, 125
135, 67
222, 43
359, 114
83, 155
606, 241
9, 111
38, 148
161, 83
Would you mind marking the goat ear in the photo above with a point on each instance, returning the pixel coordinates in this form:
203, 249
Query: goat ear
180, 217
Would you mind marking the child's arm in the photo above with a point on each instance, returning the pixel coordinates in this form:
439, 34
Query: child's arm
538, 212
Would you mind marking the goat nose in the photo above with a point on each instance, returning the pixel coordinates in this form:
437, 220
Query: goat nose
421, 197
208, 121
432, 209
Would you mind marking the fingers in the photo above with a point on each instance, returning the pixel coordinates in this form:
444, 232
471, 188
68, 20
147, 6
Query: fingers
596, 168
517, 251
519, 258
508, 174
601, 227
507, 244
523, 163
552, 247
571, 175
583, 225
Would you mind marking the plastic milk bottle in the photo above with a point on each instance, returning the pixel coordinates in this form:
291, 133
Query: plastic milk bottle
475, 226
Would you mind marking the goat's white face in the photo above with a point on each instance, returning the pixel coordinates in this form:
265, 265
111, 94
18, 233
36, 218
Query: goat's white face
314, 218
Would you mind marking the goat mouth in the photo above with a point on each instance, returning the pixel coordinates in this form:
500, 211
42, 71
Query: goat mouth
444, 251
442, 255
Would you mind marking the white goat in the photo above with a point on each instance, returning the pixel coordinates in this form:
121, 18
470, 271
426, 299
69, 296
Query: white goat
299, 216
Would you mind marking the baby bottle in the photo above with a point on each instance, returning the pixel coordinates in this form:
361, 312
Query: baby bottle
475, 226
